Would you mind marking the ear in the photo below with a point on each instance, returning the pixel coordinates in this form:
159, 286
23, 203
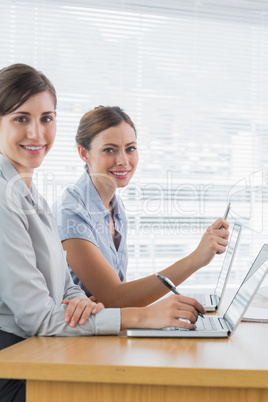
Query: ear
83, 153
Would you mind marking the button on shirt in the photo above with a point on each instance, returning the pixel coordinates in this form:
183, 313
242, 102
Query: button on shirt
81, 214
34, 276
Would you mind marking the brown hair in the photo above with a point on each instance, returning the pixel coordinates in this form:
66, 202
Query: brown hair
18, 82
99, 119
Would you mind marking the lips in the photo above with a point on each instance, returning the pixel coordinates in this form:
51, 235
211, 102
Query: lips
120, 174
33, 149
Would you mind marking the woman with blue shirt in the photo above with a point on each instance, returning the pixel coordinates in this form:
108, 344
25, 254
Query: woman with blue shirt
92, 224
37, 294
76, 222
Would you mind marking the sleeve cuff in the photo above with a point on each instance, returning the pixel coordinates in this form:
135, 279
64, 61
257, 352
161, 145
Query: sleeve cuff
108, 321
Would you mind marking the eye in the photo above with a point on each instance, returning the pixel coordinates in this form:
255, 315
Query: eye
131, 149
109, 150
21, 119
46, 119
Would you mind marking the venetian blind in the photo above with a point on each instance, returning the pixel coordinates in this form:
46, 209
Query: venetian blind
193, 75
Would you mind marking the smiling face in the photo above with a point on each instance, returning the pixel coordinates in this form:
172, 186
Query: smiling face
112, 158
27, 134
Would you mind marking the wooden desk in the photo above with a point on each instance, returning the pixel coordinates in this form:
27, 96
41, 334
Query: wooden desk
104, 369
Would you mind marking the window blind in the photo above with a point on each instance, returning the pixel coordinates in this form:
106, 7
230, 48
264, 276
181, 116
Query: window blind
193, 75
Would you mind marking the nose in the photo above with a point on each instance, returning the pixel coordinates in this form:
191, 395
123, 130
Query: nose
35, 130
122, 159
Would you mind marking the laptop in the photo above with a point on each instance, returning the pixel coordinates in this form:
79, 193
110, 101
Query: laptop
211, 302
216, 326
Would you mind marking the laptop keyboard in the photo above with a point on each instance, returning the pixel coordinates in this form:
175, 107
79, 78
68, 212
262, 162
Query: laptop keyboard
205, 324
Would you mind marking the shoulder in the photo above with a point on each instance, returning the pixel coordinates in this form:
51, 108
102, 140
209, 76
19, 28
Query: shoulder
74, 194
71, 213
13, 206
10, 193
71, 202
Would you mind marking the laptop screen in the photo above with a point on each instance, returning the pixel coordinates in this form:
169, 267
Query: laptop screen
248, 288
228, 258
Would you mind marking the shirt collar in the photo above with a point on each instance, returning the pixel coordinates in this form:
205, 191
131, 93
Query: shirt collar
92, 199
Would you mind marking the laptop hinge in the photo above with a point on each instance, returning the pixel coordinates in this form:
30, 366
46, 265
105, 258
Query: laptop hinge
225, 325
214, 300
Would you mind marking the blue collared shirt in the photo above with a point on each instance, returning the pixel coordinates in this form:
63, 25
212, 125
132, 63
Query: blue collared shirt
81, 214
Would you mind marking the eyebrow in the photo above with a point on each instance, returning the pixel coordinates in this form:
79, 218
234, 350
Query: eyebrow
114, 145
28, 114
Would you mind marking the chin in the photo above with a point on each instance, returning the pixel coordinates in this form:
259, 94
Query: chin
124, 183
35, 165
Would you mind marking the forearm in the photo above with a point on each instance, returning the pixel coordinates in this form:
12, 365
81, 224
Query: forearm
181, 270
99, 277
214, 241
138, 293
105, 322
131, 317
147, 290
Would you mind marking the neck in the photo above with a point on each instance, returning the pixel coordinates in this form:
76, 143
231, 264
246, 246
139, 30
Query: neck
28, 183
27, 179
